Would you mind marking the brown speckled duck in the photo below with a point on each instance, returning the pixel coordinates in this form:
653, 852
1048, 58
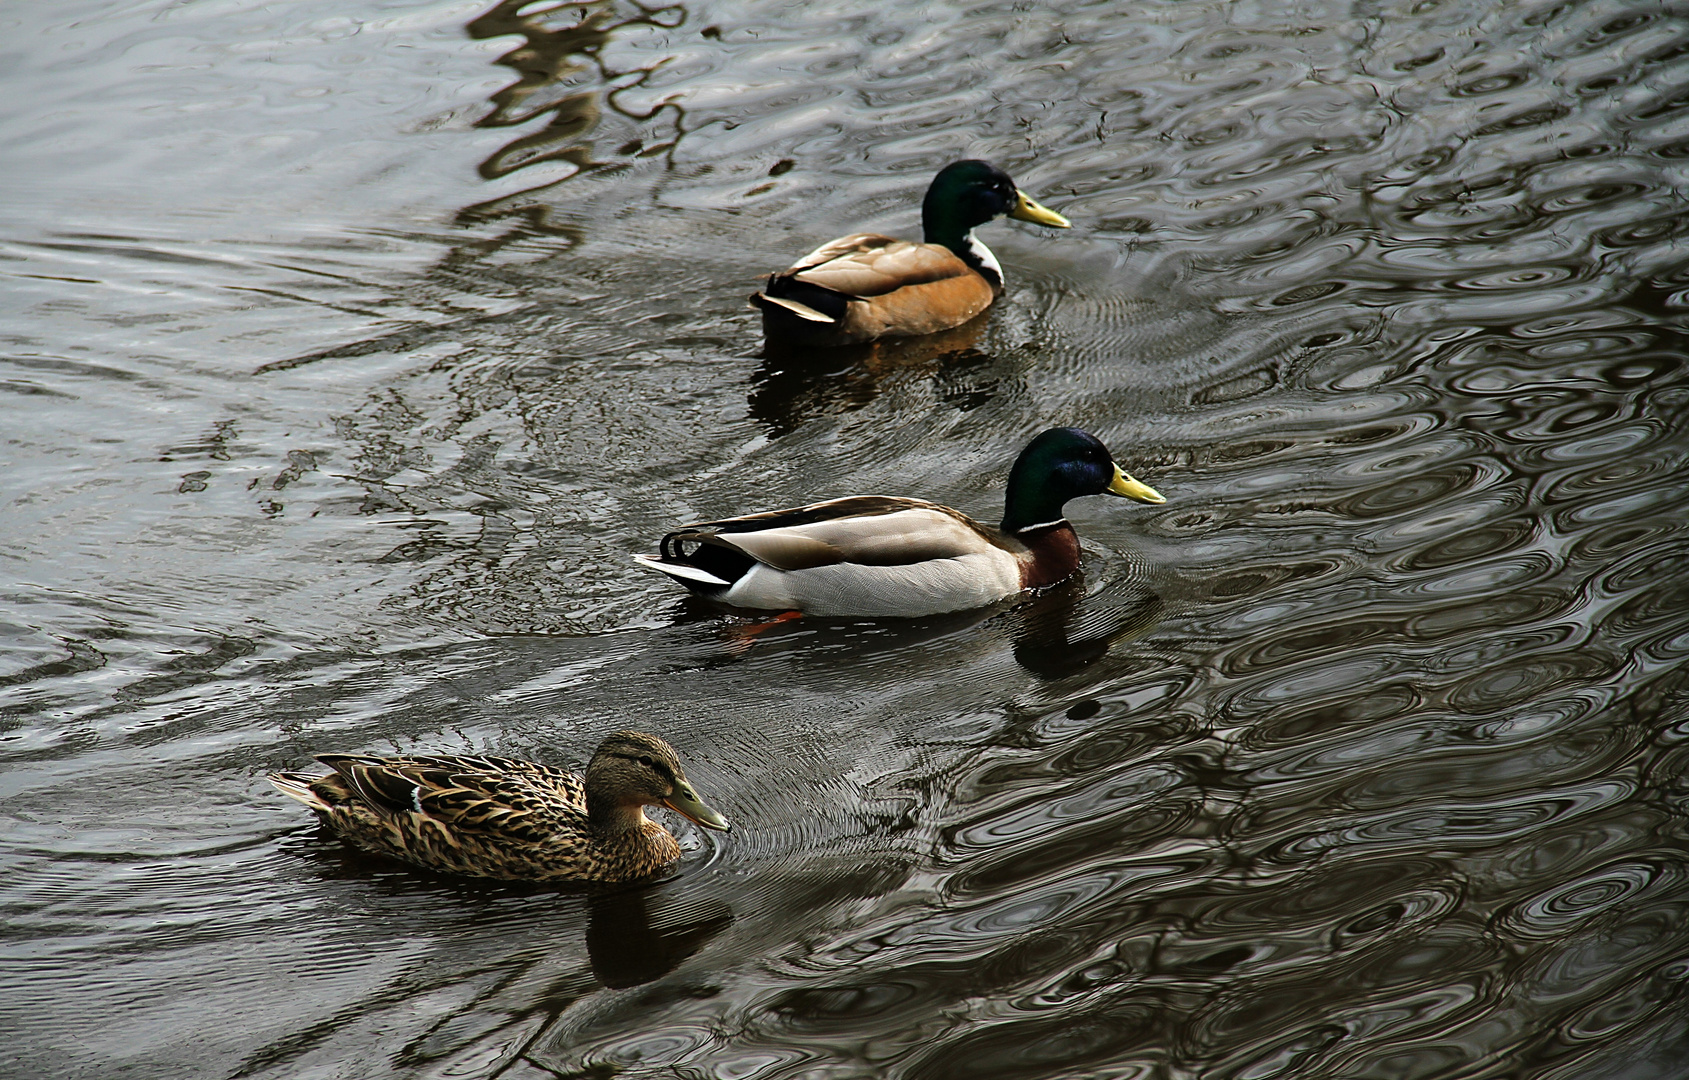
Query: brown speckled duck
866, 286
497, 817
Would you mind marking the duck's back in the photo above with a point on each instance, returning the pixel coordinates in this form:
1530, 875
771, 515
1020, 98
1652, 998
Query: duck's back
482, 816
871, 555
865, 286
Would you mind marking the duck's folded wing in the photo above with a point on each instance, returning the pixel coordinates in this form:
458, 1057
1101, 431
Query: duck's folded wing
481, 794
870, 265
842, 248
867, 530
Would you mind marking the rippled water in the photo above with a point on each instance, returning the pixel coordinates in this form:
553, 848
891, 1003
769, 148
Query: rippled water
349, 353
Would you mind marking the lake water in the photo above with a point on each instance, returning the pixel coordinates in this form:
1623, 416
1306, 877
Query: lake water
349, 353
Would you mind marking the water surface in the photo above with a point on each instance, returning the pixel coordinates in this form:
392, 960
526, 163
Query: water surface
348, 355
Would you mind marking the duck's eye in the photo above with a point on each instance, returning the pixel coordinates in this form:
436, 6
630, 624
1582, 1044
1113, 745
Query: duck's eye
645, 761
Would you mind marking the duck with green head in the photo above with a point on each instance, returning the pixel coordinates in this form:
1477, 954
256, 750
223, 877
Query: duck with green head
880, 555
497, 817
866, 286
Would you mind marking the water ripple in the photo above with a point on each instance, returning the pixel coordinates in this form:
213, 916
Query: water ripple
1363, 756
1573, 902
1460, 825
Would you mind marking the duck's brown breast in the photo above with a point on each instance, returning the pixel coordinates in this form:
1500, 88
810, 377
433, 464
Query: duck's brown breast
923, 308
1054, 555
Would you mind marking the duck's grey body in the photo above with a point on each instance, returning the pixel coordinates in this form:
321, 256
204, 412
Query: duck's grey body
880, 555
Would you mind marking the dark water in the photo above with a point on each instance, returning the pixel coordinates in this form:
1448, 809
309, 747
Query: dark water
349, 353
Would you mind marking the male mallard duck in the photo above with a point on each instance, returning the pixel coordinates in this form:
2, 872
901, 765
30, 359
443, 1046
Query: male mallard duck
866, 286
883, 556
498, 817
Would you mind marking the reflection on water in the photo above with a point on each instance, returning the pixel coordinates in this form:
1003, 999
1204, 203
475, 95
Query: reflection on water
795, 384
494, 1002
1061, 633
551, 62
625, 946
1364, 756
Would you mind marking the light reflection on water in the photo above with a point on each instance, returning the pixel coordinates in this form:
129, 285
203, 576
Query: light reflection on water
349, 356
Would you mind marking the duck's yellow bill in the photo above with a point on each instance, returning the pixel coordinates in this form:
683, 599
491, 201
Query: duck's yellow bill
1027, 210
686, 803
1128, 488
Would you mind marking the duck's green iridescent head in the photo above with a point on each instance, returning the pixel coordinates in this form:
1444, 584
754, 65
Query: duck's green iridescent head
965, 194
1063, 464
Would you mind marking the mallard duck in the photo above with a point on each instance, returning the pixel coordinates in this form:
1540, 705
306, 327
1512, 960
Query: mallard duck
867, 286
878, 555
498, 817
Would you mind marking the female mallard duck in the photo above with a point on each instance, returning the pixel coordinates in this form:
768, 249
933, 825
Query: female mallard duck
867, 286
498, 817
878, 555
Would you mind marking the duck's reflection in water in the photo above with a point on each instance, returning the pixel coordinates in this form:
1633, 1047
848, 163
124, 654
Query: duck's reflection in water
638, 935
1053, 634
633, 936
505, 969
795, 384
1061, 631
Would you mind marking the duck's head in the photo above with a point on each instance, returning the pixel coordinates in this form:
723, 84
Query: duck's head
1062, 464
966, 194
632, 769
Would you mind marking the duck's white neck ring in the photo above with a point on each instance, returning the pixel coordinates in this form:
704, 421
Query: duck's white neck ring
985, 262
1041, 525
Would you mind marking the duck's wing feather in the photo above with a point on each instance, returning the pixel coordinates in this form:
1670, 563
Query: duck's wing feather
491, 795
868, 264
841, 248
868, 530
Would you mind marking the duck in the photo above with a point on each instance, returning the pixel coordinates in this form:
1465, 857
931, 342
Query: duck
888, 556
498, 817
866, 286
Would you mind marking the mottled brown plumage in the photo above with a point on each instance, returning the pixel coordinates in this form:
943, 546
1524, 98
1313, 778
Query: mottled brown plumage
500, 817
